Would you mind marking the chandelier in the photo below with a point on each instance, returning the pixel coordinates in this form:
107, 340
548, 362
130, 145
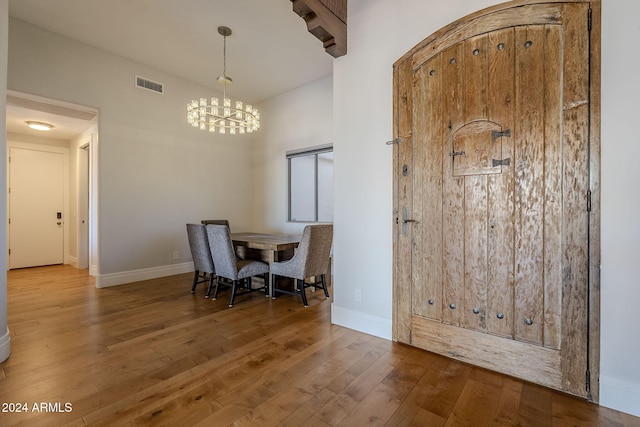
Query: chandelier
219, 115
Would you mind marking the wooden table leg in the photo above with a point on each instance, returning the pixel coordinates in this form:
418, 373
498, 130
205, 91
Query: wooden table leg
272, 256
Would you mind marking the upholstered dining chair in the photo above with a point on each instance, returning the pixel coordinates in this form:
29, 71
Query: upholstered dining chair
202, 261
311, 259
237, 271
222, 222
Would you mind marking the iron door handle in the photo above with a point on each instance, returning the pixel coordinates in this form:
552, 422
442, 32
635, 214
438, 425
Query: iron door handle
406, 220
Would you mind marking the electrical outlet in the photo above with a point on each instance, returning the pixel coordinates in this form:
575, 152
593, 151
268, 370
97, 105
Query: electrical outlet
176, 255
358, 295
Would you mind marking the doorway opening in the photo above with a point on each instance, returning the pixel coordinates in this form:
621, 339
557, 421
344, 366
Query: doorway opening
74, 134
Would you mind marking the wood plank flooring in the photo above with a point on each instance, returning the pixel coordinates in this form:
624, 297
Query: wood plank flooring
151, 353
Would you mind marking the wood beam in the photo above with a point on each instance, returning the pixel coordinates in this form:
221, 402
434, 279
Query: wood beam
327, 20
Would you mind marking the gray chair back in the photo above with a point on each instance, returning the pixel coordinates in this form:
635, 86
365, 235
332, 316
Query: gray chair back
216, 222
222, 251
312, 256
200, 251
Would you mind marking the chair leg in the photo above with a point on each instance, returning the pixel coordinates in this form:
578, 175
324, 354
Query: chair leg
302, 292
210, 286
215, 292
324, 285
233, 293
274, 282
195, 281
266, 284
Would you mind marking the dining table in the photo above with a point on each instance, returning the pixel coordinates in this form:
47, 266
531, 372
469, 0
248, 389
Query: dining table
267, 247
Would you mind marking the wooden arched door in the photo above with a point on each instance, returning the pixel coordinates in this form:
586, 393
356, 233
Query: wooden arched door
496, 188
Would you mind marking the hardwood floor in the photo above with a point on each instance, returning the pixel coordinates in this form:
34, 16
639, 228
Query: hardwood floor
151, 353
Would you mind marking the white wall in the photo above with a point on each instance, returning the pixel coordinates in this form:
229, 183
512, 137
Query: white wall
380, 31
300, 118
156, 172
620, 276
5, 341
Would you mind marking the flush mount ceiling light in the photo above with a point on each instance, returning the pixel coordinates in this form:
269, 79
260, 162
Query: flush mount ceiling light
219, 115
39, 126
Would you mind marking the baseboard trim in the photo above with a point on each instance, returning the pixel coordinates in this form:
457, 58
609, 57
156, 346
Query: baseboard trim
620, 395
115, 279
361, 322
5, 346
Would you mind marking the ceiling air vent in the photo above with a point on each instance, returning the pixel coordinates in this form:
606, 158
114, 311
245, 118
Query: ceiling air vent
144, 83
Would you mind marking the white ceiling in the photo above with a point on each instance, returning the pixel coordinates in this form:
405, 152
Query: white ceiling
269, 52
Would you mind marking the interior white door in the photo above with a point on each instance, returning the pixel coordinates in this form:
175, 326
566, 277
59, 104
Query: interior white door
36, 198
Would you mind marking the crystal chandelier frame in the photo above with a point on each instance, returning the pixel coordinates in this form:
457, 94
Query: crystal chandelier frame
219, 115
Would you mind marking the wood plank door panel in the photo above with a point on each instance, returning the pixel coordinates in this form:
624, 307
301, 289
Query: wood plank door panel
453, 206
492, 177
501, 187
